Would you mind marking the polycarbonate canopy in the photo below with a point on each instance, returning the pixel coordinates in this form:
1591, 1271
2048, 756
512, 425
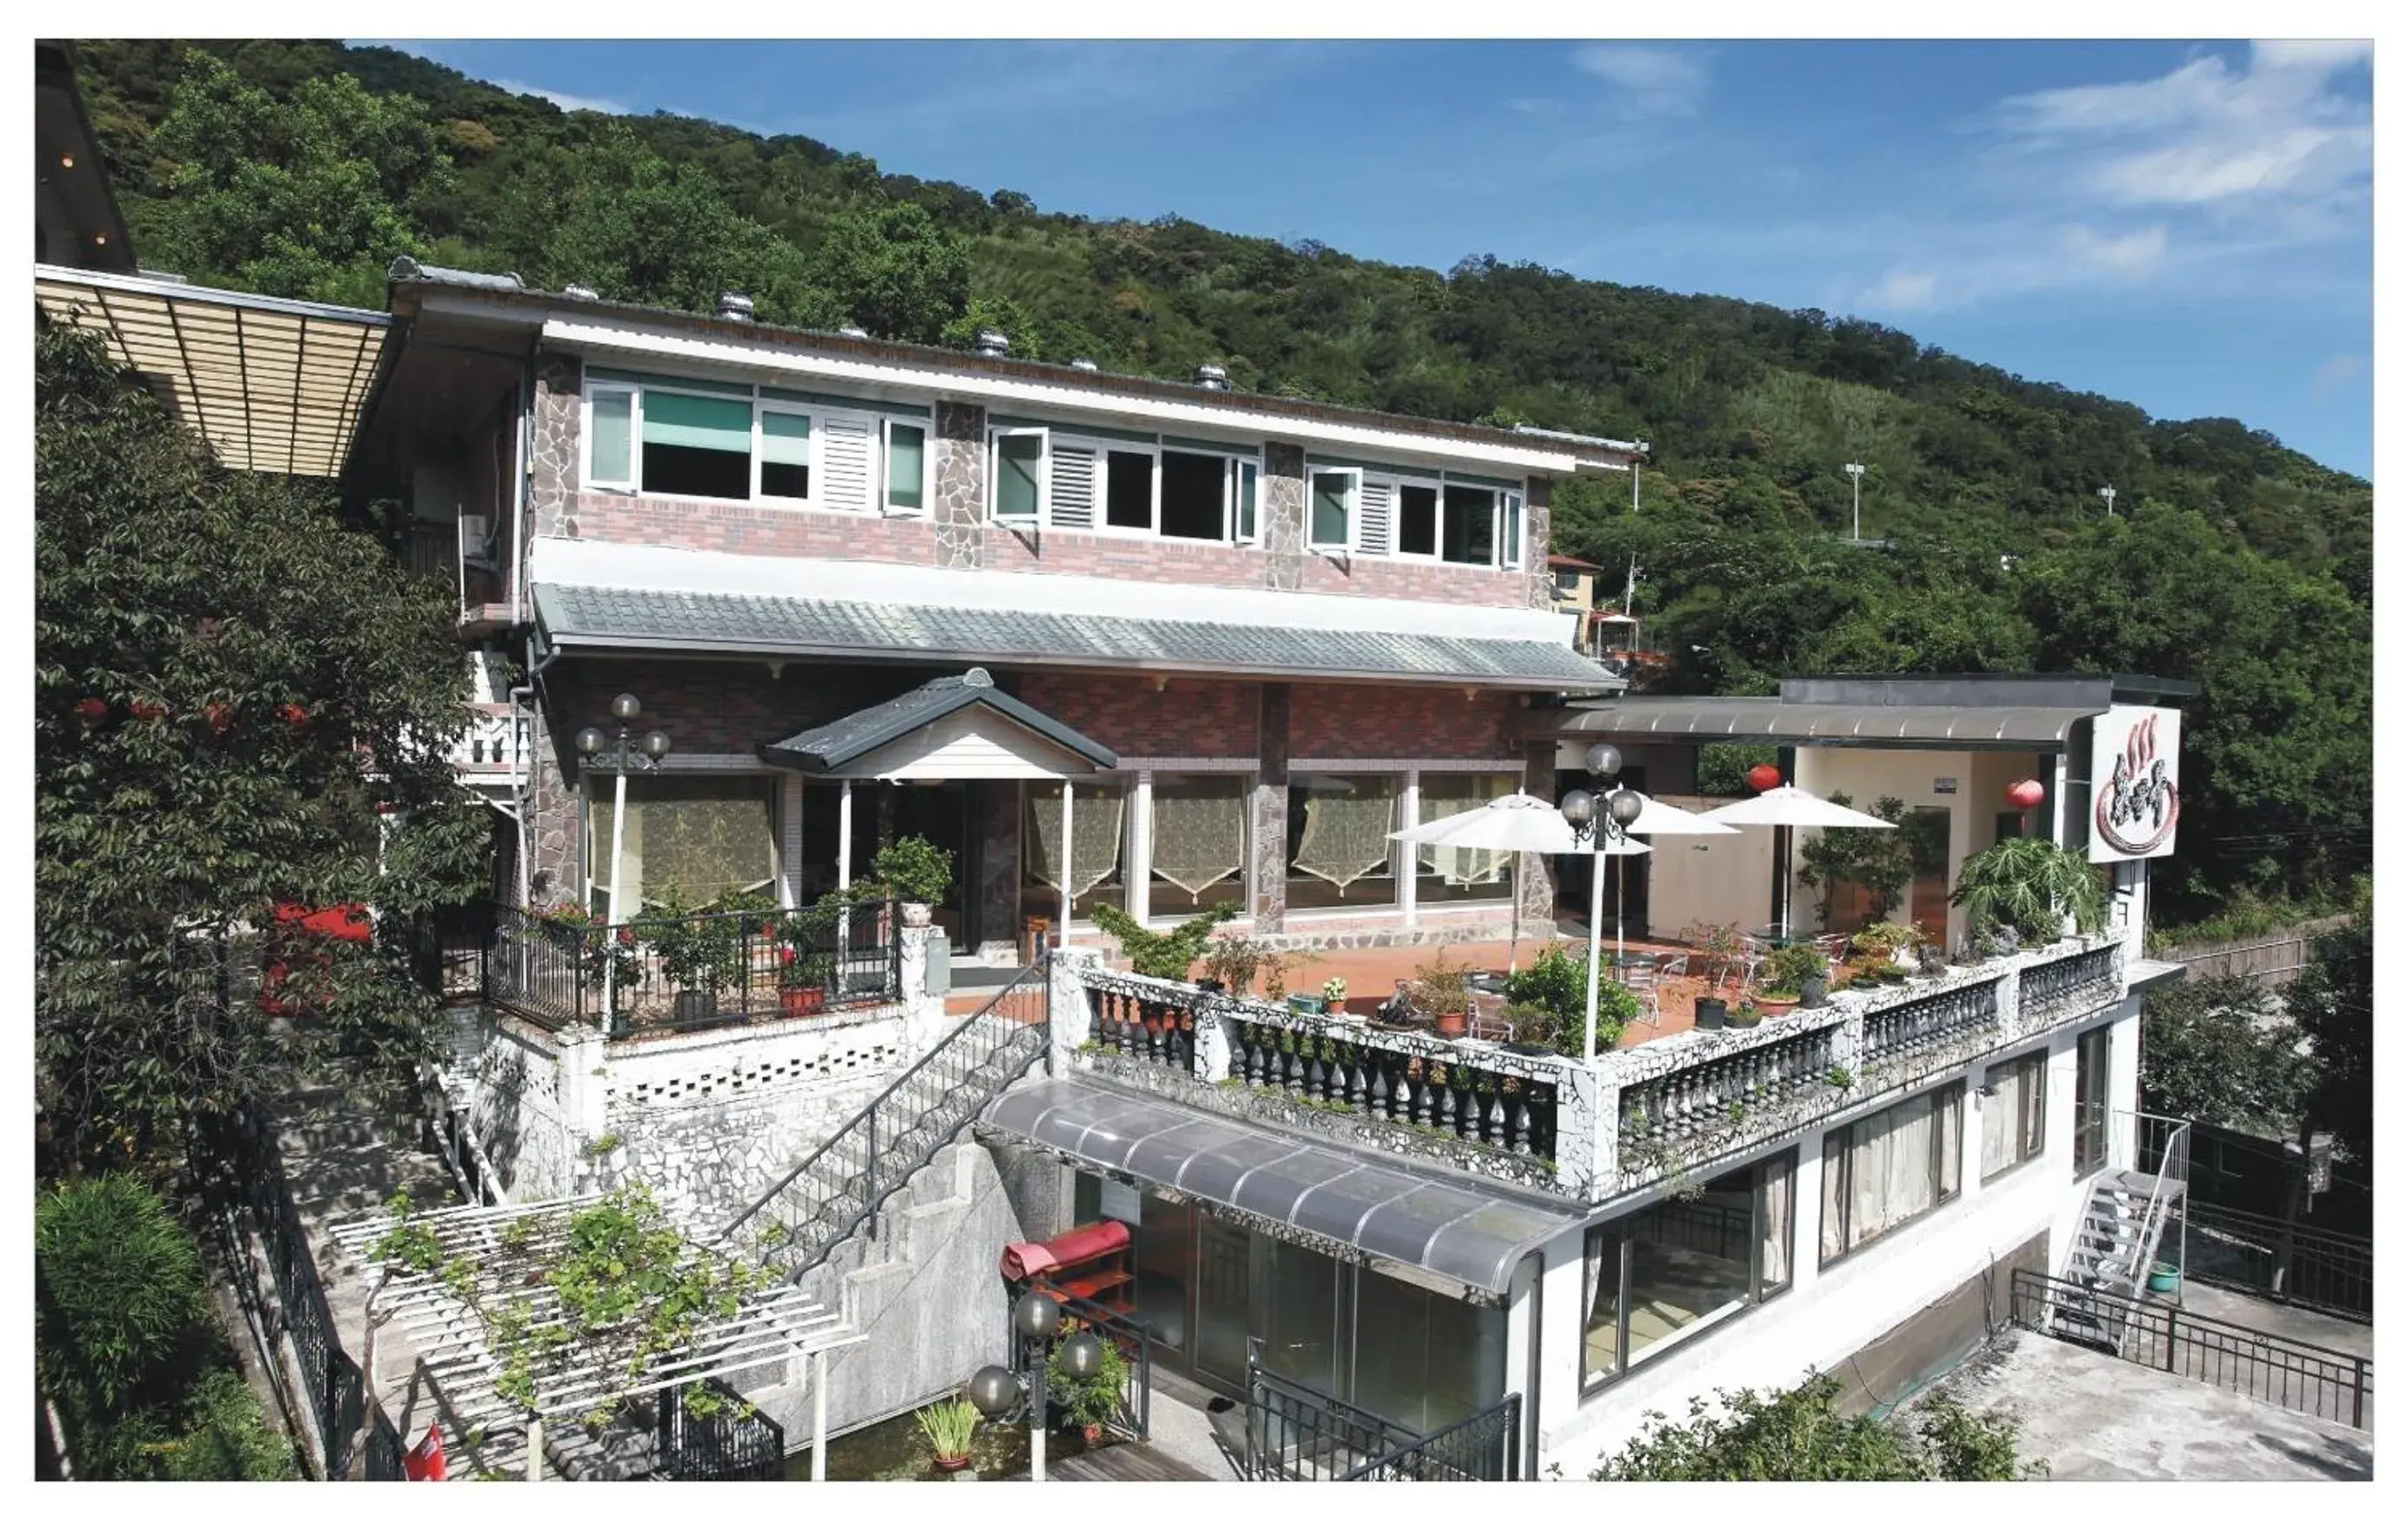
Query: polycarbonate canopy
1446, 1225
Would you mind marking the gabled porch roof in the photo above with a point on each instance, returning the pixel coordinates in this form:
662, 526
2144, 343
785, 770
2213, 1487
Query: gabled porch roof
997, 725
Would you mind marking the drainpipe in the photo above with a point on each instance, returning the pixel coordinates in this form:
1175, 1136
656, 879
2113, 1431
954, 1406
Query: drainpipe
526, 485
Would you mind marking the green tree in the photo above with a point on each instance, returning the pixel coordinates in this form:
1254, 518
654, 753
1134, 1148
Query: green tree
310, 194
2332, 1003
1879, 860
897, 273
1798, 1435
2211, 1050
239, 701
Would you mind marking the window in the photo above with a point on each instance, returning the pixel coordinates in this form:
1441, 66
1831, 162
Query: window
1659, 1277
2013, 1113
1333, 507
1889, 1168
1098, 827
785, 454
1417, 520
1566, 583
1197, 830
1339, 853
610, 456
2090, 1102
697, 446
1469, 535
1446, 874
1019, 473
687, 839
1195, 496
907, 466
1509, 506
1248, 478
1128, 490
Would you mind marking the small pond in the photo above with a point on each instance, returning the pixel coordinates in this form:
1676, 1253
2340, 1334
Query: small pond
894, 1451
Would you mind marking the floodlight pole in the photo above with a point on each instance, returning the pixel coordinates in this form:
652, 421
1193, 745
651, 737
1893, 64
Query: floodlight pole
2107, 493
1856, 496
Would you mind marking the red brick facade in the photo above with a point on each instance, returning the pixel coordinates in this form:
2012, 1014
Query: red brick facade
1213, 720
1406, 582
1400, 723
734, 527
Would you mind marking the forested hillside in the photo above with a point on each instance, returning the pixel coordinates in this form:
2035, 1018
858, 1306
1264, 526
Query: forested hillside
304, 167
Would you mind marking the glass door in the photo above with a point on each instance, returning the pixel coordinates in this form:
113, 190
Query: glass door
1927, 902
1296, 1290
1224, 1284
2090, 1102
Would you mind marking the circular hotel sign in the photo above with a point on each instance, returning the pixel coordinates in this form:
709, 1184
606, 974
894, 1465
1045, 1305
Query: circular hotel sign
2135, 765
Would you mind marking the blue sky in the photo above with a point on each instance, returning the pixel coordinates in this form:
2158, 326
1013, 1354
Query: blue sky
2183, 225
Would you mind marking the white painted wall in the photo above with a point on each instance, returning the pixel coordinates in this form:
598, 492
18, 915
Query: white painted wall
1867, 776
1719, 878
1830, 1313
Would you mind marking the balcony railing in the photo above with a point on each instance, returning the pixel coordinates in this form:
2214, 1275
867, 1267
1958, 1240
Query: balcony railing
2054, 989
1931, 1026
494, 746
1464, 1091
702, 971
1722, 1103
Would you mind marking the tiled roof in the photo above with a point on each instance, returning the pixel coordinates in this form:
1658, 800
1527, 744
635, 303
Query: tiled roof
848, 739
619, 617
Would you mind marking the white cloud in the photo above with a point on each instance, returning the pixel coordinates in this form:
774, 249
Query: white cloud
563, 100
2132, 255
2340, 372
1978, 263
1647, 81
1904, 290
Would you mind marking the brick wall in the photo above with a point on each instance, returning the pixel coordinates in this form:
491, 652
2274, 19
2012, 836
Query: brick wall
1210, 719
1162, 561
739, 528
1365, 723
1414, 581
718, 706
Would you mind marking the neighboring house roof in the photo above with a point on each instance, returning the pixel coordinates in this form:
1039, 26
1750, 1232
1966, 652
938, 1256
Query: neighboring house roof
831, 745
623, 617
270, 384
1706, 718
75, 207
1564, 562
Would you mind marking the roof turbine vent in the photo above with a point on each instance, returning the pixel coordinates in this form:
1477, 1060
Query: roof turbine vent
577, 291
1087, 364
852, 329
993, 343
1213, 377
735, 306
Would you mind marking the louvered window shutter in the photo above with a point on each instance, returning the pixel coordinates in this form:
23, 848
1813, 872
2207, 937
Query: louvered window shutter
848, 445
1074, 485
1378, 536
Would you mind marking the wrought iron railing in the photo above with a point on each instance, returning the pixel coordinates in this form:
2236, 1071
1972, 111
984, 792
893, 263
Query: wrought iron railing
2272, 1369
2293, 1263
699, 971
1481, 1447
1931, 1026
385, 1450
1133, 1417
732, 1442
800, 1218
1299, 1434
2052, 989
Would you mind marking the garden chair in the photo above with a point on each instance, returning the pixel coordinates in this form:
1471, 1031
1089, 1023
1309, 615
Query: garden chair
1644, 978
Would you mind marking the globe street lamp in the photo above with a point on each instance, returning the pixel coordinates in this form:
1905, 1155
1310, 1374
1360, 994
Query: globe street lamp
624, 752
1622, 809
999, 1393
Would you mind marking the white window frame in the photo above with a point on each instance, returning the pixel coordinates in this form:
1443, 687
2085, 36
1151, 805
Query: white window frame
635, 394
1105, 449
1495, 527
887, 423
1397, 484
1353, 510
1044, 435
1511, 549
1239, 533
812, 417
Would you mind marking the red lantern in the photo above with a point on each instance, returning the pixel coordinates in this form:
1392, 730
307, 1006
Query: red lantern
2026, 794
147, 711
91, 711
221, 717
1764, 778
295, 714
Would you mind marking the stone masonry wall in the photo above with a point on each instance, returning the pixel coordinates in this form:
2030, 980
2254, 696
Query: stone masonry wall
553, 466
1280, 510
1536, 534
960, 498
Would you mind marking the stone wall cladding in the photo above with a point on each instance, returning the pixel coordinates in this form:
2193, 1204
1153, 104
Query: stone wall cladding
1208, 720
516, 1114
1534, 874
1536, 534
1426, 723
553, 464
1280, 515
708, 1161
960, 486
551, 826
1269, 810
996, 814
1385, 929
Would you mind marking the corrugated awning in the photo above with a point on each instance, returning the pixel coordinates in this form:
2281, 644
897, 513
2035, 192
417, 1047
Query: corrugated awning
271, 384
1715, 719
1349, 1202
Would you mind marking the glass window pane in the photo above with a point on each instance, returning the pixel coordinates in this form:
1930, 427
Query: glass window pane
1337, 848
1298, 1313
2013, 1112
1889, 1168
1601, 1296
906, 450
1195, 496
1417, 520
1097, 826
614, 436
1423, 1358
1198, 829
1444, 874
1470, 529
1332, 493
1775, 1206
1018, 457
1128, 490
1246, 484
1691, 1263
1948, 1109
1512, 547
687, 839
785, 438
699, 422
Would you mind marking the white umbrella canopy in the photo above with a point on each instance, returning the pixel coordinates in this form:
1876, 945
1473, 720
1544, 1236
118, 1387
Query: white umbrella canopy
1519, 822
1788, 808
1663, 818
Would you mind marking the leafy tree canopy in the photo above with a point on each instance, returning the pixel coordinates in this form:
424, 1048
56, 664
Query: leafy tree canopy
239, 702
2214, 1051
2332, 1003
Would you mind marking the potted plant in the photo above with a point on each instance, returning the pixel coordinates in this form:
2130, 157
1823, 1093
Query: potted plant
2030, 885
1880, 944
1801, 969
1086, 1404
1530, 1028
700, 951
1231, 961
1747, 1016
950, 1427
1333, 997
1716, 947
915, 874
1443, 992
803, 979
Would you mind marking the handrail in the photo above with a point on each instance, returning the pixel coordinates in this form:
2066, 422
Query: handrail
1505, 1416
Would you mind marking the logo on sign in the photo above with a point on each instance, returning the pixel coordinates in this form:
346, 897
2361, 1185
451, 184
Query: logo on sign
2138, 805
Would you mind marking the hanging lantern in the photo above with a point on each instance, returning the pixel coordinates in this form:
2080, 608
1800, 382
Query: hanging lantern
2026, 794
90, 711
1764, 778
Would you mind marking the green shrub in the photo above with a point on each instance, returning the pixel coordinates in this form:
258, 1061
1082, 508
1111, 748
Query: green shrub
1165, 955
118, 1315
913, 870
2028, 886
1789, 967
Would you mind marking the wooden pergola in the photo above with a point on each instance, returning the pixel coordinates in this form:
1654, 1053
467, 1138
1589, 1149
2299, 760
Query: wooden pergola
507, 1246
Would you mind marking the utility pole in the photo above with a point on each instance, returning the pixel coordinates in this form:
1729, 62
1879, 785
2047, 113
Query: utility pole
1634, 485
1856, 494
2109, 492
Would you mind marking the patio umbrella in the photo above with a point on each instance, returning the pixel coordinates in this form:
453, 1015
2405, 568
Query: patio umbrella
1519, 822
1787, 809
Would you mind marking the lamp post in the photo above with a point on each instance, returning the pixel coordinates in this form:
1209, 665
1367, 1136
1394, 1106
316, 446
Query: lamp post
1580, 810
1856, 496
999, 1393
625, 753
2107, 493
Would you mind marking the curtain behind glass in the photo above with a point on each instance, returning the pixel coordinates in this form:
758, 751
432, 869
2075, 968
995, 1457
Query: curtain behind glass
2010, 1114
1346, 831
1095, 836
1772, 1213
1444, 797
1601, 1301
692, 839
1200, 833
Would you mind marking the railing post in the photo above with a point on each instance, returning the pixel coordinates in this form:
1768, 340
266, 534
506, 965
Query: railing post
1068, 1019
2171, 1316
2357, 1392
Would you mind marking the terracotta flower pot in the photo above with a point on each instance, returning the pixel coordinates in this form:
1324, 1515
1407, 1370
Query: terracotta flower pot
951, 1464
1090, 1433
1776, 1004
798, 1001
1451, 1026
